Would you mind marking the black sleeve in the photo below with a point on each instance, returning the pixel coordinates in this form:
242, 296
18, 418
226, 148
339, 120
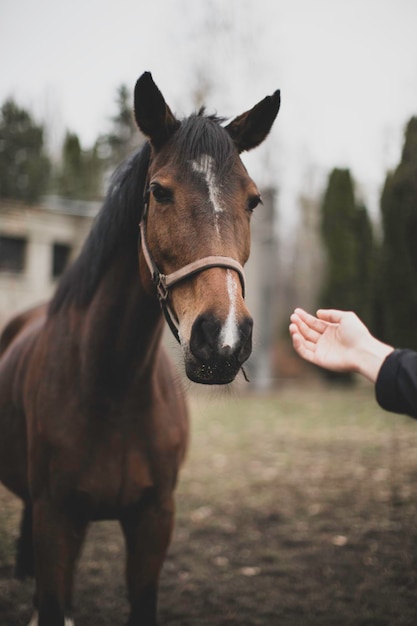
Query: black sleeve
396, 384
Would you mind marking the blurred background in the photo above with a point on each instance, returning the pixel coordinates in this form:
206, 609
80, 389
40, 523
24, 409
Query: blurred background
337, 172
297, 504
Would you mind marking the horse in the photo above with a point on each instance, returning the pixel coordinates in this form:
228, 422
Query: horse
93, 419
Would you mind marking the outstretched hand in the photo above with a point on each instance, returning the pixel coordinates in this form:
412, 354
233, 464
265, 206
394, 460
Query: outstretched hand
338, 341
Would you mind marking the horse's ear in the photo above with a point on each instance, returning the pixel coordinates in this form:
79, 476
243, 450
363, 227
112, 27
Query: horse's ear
152, 114
251, 128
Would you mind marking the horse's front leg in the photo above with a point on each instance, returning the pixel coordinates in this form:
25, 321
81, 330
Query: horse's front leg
147, 533
25, 565
58, 538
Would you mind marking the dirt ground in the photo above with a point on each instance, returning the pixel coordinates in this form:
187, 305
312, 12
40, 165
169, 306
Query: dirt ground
296, 509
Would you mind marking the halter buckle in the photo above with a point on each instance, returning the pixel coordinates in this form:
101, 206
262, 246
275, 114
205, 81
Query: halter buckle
161, 286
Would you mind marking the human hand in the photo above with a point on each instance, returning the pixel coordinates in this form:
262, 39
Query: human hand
337, 340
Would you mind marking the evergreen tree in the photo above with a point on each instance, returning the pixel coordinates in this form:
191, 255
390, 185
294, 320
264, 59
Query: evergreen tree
81, 172
24, 166
79, 176
365, 257
70, 178
94, 170
348, 241
399, 249
349, 250
124, 136
337, 214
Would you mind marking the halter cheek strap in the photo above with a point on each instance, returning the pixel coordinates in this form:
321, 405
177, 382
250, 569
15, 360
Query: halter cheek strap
165, 282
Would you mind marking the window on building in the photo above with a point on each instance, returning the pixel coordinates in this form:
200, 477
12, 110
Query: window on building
60, 257
12, 254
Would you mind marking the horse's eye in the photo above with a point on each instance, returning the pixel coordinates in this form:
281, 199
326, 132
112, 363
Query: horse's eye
253, 202
160, 193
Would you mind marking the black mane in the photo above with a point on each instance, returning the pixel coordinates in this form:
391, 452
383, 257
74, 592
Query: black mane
116, 224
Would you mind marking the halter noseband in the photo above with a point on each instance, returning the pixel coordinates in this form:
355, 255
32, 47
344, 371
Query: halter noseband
165, 282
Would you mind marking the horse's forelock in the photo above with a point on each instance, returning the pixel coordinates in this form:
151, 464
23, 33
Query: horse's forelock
199, 135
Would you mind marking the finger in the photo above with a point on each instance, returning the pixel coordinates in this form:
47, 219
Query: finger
293, 328
299, 339
310, 320
304, 348
333, 316
307, 331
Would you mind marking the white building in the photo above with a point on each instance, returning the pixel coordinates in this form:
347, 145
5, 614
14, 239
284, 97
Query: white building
36, 243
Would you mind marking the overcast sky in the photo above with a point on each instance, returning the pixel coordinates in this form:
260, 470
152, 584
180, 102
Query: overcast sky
347, 70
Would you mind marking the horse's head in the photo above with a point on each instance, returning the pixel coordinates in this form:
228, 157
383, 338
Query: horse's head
196, 227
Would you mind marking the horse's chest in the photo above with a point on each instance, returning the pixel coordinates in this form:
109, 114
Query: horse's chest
109, 475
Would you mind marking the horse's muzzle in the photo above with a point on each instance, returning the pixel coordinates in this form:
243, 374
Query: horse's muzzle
214, 356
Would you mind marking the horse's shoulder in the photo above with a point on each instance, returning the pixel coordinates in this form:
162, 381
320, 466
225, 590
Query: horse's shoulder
19, 325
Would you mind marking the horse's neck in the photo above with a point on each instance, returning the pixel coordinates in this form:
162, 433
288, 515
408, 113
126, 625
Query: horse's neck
123, 324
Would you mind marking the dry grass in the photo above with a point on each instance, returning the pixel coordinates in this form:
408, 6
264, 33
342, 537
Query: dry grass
294, 509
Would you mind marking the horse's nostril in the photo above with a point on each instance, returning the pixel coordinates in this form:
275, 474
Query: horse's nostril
206, 340
204, 337
245, 345
246, 328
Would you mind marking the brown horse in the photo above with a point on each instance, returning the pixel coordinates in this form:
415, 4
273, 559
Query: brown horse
93, 422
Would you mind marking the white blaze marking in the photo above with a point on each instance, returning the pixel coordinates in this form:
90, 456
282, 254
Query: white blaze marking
205, 167
230, 334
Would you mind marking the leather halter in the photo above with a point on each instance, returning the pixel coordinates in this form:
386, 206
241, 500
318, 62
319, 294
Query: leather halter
165, 282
